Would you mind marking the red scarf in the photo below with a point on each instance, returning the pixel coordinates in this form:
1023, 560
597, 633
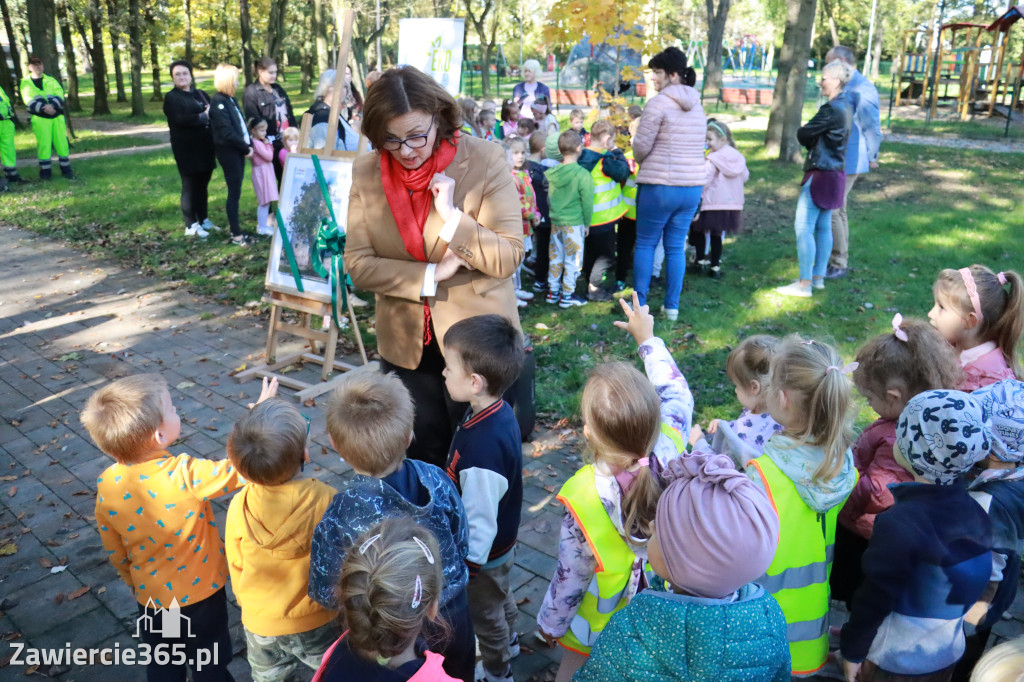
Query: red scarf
410, 200
407, 194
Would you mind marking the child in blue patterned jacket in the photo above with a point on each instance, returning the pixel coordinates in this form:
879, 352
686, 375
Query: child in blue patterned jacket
369, 421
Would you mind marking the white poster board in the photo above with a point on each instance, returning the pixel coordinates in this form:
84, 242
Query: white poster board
302, 206
434, 46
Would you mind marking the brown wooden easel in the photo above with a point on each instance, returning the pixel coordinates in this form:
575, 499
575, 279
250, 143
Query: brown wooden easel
312, 306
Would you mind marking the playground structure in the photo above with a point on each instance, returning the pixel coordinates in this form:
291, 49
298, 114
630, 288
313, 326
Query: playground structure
970, 56
746, 70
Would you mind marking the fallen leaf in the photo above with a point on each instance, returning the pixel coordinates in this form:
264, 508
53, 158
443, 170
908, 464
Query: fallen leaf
101, 590
79, 592
309, 402
45, 563
57, 569
185, 385
542, 526
550, 488
70, 356
524, 600
31, 670
8, 478
13, 491
52, 543
209, 427
8, 548
59, 598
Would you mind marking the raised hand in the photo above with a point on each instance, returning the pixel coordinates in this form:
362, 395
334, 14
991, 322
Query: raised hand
639, 321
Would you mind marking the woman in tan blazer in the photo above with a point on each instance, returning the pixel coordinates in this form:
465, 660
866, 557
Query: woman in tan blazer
435, 231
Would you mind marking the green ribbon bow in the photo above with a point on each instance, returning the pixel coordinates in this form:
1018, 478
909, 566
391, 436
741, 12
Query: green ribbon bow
331, 239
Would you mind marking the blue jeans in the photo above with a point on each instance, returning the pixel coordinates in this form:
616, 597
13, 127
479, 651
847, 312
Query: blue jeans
663, 211
813, 235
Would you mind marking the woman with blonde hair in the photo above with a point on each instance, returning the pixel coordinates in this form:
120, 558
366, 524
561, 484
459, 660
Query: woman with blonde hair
529, 89
231, 143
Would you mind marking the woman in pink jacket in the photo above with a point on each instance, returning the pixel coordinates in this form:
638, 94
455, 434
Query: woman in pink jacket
721, 208
669, 146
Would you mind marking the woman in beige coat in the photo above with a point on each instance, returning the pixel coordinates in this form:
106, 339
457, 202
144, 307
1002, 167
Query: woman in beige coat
435, 231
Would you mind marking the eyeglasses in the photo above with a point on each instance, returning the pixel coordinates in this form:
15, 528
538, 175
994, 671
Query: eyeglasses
413, 142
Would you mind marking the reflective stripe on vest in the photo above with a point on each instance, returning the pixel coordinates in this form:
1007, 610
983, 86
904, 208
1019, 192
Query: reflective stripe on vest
608, 590
630, 190
798, 576
608, 204
674, 436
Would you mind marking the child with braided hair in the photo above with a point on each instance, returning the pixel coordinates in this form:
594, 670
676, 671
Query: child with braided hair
391, 585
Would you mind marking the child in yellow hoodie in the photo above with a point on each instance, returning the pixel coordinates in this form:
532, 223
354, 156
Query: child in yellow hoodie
268, 534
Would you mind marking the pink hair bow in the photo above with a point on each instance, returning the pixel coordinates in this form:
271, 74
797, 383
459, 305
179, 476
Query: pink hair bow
972, 290
1002, 279
897, 320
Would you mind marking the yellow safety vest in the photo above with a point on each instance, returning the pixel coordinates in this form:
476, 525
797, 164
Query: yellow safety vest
608, 203
798, 576
674, 436
629, 191
6, 110
608, 591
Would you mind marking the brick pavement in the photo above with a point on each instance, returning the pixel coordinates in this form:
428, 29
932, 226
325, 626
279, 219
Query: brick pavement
69, 323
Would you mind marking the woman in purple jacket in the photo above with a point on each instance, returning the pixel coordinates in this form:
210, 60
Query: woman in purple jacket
669, 146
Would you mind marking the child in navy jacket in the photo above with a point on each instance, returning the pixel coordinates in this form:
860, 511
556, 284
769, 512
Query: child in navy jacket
930, 556
483, 357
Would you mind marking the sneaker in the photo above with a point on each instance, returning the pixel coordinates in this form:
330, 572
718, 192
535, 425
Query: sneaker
671, 313
194, 230
210, 227
702, 265
540, 288
552, 297
241, 240
572, 301
835, 273
597, 294
524, 295
794, 289
521, 303
480, 674
715, 272
513, 646
356, 301
818, 283
265, 231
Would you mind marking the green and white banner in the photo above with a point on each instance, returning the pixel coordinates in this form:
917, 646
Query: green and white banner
433, 46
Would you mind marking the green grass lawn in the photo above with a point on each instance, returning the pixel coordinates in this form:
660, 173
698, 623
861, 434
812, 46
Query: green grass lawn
924, 209
88, 141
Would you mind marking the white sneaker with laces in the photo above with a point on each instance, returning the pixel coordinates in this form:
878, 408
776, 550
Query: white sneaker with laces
210, 227
521, 303
481, 674
524, 295
265, 230
513, 645
196, 230
794, 289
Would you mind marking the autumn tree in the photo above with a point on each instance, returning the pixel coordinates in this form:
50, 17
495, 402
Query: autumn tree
716, 32
248, 55
114, 28
788, 96
13, 45
484, 16
41, 22
617, 25
70, 62
100, 103
135, 53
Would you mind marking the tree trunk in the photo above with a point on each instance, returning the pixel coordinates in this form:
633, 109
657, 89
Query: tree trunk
275, 30
16, 95
833, 27
100, 104
188, 31
6, 78
248, 56
876, 47
154, 54
319, 29
479, 23
716, 31
135, 50
788, 97
69, 56
113, 24
41, 22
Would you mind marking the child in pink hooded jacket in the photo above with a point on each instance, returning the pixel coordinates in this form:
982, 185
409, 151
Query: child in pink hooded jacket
721, 210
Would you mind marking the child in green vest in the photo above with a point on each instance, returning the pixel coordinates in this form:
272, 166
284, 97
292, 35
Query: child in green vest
633, 425
44, 97
808, 472
610, 170
7, 153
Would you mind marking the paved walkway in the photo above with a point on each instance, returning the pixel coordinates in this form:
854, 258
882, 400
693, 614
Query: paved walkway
68, 324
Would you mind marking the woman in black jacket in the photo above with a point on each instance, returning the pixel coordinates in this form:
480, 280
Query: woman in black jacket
230, 142
268, 100
187, 109
825, 137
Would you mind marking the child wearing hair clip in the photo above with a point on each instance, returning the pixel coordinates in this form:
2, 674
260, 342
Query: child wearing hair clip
808, 472
390, 589
983, 320
264, 182
891, 369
